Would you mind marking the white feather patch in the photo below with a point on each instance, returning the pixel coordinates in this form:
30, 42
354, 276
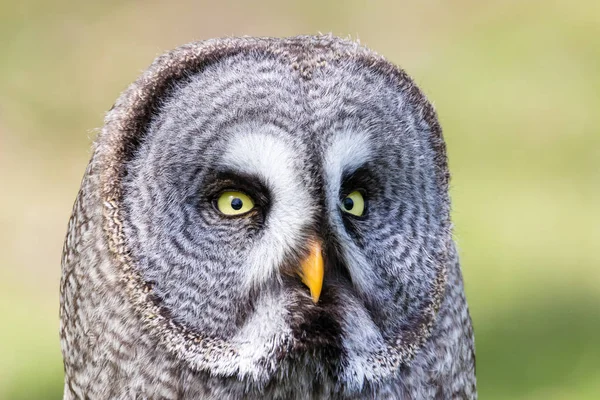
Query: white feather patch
266, 155
348, 151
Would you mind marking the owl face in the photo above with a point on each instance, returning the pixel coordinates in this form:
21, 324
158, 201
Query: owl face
286, 214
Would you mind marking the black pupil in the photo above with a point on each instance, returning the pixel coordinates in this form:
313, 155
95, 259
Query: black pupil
236, 203
348, 203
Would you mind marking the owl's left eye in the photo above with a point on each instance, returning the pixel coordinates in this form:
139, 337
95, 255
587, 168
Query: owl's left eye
354, 203
234, 203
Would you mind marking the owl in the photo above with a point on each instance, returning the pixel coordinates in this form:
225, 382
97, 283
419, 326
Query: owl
266, 218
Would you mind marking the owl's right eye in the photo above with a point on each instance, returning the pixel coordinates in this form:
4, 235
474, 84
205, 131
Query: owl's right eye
354, 203
234, 203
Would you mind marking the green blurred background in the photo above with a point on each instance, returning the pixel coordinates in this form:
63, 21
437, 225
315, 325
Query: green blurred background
517, 88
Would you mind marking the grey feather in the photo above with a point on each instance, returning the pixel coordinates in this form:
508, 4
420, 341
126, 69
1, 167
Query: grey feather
164, 297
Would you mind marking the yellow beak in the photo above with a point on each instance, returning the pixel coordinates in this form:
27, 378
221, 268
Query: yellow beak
311, 271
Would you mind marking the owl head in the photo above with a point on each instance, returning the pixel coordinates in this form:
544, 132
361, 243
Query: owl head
276, 205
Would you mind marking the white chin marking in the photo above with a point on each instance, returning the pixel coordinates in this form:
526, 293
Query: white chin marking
361, 341
261, 335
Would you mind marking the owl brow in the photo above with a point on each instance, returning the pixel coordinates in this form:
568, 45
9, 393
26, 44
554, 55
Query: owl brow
227, 179
357, 178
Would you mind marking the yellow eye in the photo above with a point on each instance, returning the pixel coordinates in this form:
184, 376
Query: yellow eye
234, 203
354, 203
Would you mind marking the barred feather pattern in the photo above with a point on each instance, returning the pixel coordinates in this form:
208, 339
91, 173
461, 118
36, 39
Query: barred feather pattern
143, 318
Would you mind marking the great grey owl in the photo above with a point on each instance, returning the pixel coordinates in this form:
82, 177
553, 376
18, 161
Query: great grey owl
266, 219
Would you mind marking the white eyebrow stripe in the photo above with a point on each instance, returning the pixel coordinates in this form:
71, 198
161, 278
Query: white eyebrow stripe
272, 160
260, 154
348, 151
